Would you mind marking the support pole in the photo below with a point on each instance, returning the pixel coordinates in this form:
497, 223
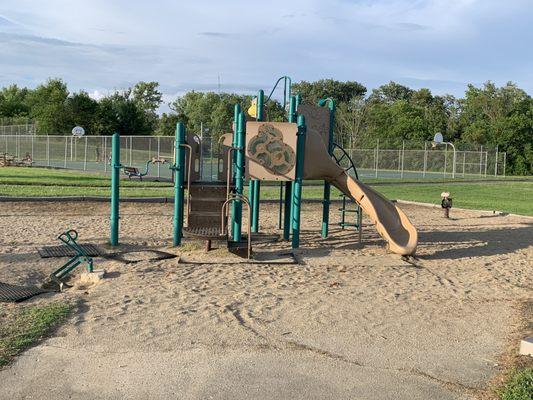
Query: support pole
239, 174
327, 185
289, 185
115, 183
255, 185
425, 159
496, 162
297, 199
234, 143
179, 187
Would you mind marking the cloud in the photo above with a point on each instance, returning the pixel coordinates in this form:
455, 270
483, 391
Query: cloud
102, 45
216, 34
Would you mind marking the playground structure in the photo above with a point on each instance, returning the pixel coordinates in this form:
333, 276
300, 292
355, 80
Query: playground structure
9, 160
69, 238
136, 173
258, 150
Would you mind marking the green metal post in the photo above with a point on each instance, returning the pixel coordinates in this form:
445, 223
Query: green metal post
239, 176
327, 186
255, 185
115, 191
298, 100
289, 184
236, 113
179, 187
297, 197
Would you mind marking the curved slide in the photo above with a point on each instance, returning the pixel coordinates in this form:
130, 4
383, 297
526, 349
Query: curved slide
391, 222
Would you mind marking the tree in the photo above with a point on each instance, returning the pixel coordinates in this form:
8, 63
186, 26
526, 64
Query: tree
48, 107
390, 93
500, 117
311, 92
13, 102
83, 111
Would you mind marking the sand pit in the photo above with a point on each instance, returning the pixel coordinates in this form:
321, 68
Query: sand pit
348, 322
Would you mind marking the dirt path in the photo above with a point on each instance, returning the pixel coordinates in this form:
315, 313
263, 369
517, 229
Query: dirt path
349, 322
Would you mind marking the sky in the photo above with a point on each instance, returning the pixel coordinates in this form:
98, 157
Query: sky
103, 45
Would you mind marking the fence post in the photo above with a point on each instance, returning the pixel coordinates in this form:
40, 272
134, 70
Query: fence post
158, 155
445, 158
403, 157
425, 159
504, 162
376, 158
486, 161
66, 151
481, 160
85, 155
464, 162
32, 156
47, 150
496, 162
105, 153
131, 152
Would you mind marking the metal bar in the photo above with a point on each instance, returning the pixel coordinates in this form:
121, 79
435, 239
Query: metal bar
327, 187
376, 158
85, 155
47, 150
159, 156
504, 162
287, 223
403, 157
256, 186
445, 158
32, 155
481, 160
178, 183
297, 200
233, 155
464, 162
486, 161
66, 152
105, 153
115, 188
425, 159
280, 213
496, 162
239, 175
131, 152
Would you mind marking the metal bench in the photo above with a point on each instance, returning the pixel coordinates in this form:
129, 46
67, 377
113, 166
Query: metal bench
133, 171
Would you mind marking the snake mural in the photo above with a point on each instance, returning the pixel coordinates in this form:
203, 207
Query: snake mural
268, 149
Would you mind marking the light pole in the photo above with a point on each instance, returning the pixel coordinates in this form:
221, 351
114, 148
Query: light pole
438, 139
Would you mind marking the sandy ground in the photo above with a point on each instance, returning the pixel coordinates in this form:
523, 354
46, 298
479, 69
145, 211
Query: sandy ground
348, 322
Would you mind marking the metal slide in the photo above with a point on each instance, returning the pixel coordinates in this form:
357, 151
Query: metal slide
391, 222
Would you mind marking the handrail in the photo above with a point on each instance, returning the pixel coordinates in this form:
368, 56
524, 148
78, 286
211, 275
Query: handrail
244, 199
345, 154
188, 180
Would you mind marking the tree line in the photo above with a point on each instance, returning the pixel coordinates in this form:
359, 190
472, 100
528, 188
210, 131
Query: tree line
487, 115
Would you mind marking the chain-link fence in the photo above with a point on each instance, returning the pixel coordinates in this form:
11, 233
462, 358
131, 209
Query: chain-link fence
418, 160
20, 129
403, 160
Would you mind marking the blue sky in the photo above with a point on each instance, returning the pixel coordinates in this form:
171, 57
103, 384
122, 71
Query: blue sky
101, 45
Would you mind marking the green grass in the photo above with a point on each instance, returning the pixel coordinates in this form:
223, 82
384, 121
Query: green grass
519, 386
508, 196
55, 177
512, 197
21, 327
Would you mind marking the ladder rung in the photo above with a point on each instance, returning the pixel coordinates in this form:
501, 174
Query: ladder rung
348, 224
348, 211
